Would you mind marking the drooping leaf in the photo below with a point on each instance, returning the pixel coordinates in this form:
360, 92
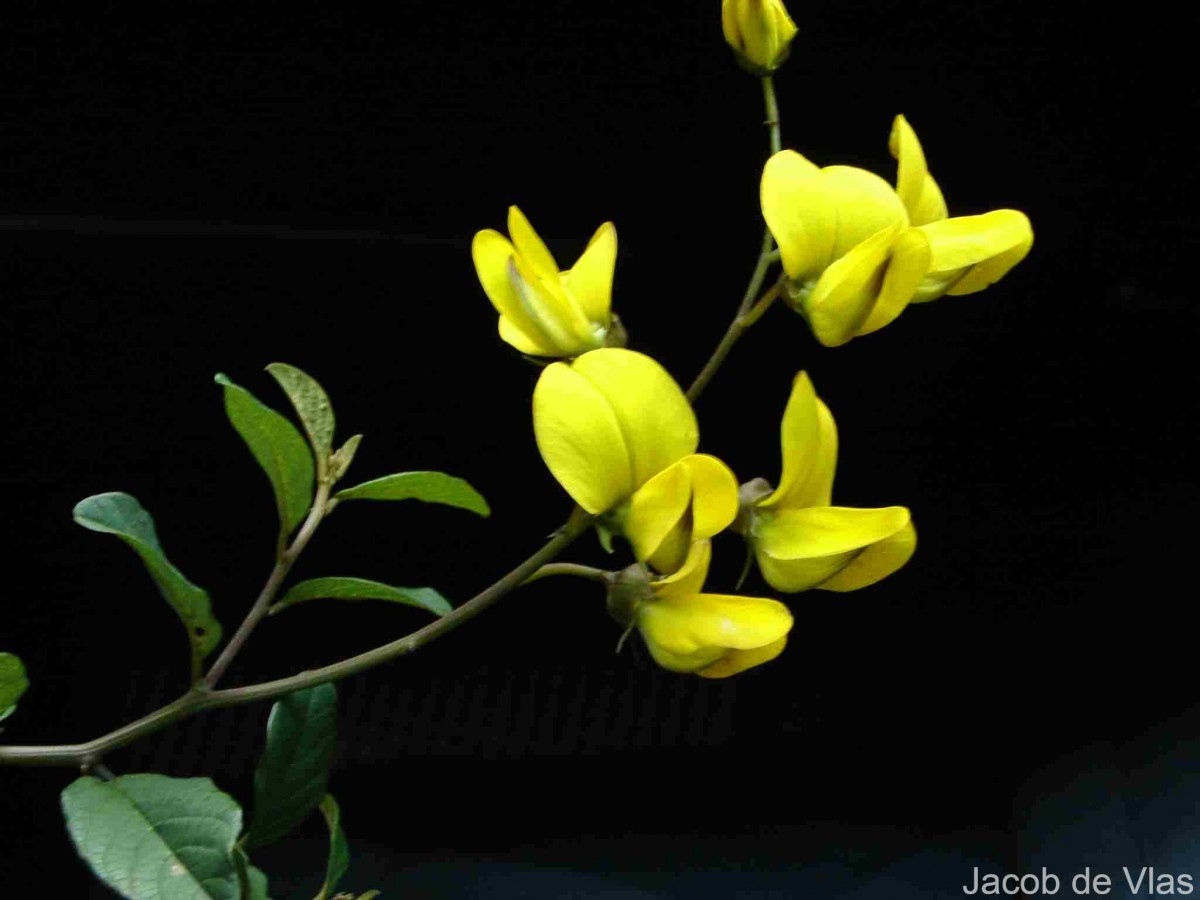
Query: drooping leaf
294, 770
13, 683
277, 447
339, 850
431, 487
150, 837
341, 459
362, 589
311, 403
369, 895
122, 515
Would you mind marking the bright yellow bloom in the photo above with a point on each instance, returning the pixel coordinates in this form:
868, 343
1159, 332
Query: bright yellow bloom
802, 542
759, 31
618, 434
856, 251
545, 312
713, 635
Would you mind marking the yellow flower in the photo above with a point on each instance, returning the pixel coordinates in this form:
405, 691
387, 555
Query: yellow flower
856, 251
545, 312
713, 635
618, 434
802, 542
759, 31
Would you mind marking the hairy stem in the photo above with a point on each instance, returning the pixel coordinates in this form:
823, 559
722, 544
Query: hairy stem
200, 698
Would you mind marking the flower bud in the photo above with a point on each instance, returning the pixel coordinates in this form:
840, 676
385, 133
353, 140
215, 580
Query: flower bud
759, 31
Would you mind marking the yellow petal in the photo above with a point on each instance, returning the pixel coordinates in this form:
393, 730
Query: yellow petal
590, 280
798, 549
760, 33
729, 23
969, 253
736, 661
689, 578
808, 437
656, 508
799, 212
818, 215
714, 495
684, 662
548, 306
525, 343
919, 192
846, 292
530, 246
866, 204
492, 253
875, 562
907, 266
1016, 226
672, 552
580, 439
658, 425
688, 624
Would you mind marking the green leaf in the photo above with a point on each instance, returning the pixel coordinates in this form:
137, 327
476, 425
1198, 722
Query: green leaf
340, 461
369, 895
339, 850
294, 770
278, 448
431, 487
122, 515
362, 589
311, 403
13, 683
150, 837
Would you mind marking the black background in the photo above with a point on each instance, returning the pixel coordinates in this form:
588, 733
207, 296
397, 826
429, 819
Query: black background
207, 190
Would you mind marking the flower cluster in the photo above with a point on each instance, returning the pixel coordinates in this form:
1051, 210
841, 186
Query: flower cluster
621, 438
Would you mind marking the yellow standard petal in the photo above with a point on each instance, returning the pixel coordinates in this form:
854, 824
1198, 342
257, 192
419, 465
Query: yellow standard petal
799, 549
809, 442
969, 253
590, 280
801, 215
818, 215
920, 193
580, 439
655, 418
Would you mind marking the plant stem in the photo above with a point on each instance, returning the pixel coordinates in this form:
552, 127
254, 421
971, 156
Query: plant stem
741, 322
266, 596
589, 572
766, 255
201, 698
